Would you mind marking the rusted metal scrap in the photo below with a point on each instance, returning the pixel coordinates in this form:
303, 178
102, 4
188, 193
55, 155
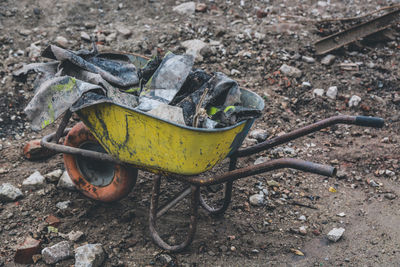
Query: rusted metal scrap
357, 32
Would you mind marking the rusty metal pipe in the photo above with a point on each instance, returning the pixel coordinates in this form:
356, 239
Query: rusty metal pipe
46, 142
297, 164
344, 119
181, 195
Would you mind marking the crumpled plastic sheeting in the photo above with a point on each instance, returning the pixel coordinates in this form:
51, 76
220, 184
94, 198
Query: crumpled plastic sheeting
221, 92
54, 97
117, 72
166, 81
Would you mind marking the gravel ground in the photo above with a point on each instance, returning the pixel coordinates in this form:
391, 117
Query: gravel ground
250, 41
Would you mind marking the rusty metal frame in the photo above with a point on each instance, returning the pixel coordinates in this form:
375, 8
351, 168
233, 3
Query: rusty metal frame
355, 33
228, 178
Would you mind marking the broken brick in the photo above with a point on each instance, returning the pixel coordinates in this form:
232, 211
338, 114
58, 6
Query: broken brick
34, 151
26, 250
53, 221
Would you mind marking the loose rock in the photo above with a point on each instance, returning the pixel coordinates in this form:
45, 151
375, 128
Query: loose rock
390, 196
66, 182
187, 8
259, 134
35, 180
332, 92
63, 204
257, 199
56, 253
290, 71
85, 36
26, 250
354, 101
318, 92
9, 193
261, 160
53, 176
193, 48
61, 41
335, 234
308, 59
90, 255
124, 31
328, 60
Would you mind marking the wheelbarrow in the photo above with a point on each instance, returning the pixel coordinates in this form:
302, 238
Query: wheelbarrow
102, 155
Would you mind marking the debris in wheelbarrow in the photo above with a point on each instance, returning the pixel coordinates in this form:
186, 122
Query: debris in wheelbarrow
205, 100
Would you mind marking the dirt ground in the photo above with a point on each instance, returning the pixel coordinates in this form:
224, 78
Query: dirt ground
249, 40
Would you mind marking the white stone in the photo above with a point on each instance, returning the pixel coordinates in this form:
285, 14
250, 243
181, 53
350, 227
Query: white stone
90, 255
9, 193
34, 51
342, 214
124, 31
308, 59
257, 199
193, 48
318, 92
66, 182
187, 8
354, 101
306, 84
35, 180
303, 218
332, 92
62, 205
54, 175
290, 71
260, 160
56, 253
85, 36
259, 134
61, 41
328, 60
335, 234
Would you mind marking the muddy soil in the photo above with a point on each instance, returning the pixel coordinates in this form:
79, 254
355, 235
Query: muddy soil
248, 40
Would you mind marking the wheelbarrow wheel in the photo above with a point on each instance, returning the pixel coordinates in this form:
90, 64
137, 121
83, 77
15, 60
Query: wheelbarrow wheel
96, 179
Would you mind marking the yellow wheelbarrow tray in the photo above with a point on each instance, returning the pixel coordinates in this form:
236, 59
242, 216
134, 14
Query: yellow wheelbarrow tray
132, 138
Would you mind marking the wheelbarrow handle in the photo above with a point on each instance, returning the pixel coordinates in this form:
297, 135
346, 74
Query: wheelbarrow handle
369, 121
343, 119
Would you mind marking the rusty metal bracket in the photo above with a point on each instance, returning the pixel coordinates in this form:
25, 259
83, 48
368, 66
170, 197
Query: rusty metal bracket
355, 33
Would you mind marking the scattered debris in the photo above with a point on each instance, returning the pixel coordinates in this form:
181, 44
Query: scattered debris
297, 252
34, 151
349, 66
318, 92
332, 92
259, 134
66, 182
290, 71
26, 250
335, 234
53, 221
35, 180
63, 205
257, 199
53, 176
261, 160
354, 101
332, 189
56, 253
9, 193
187, 8
89, 255
193, 48
355, 33
328, 60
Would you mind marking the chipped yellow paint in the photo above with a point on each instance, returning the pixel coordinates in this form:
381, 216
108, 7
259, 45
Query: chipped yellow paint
150, 143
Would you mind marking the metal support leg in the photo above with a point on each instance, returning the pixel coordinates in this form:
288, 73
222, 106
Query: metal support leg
195, 196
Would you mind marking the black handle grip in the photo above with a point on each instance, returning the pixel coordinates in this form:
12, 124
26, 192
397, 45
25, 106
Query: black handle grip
369, 121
